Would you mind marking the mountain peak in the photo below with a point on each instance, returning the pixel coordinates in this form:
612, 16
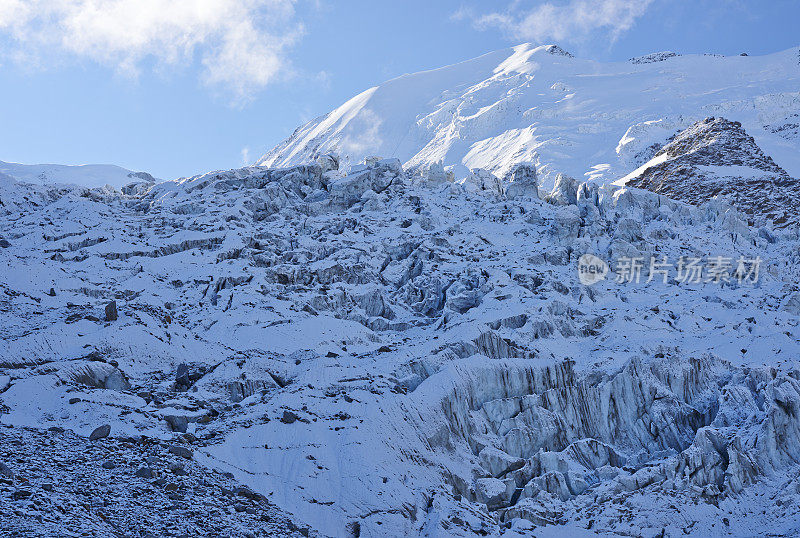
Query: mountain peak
539, 104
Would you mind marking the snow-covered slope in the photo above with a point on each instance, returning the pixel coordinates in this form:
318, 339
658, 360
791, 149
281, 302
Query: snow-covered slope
380, 353
579, 117
84, 175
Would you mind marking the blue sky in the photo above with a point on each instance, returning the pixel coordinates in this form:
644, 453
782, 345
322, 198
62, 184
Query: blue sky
177, 91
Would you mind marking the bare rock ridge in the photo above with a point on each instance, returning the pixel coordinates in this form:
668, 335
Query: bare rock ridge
716, 157
653, 57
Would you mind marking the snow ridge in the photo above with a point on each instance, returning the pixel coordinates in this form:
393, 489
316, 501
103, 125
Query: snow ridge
565, 114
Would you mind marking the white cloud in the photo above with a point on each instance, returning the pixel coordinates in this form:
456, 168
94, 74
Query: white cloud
241, 44
246, 156
567, 21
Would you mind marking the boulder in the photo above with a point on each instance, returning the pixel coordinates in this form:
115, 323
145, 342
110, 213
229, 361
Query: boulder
100, 432
145, 472
6, 471
181, 451
792, 306
111, 311
182, 380
177, 423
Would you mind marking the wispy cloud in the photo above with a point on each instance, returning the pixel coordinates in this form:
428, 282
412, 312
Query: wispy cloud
570, 21
241, 44
246, 156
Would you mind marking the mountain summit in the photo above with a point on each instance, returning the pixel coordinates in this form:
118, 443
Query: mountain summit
567, 115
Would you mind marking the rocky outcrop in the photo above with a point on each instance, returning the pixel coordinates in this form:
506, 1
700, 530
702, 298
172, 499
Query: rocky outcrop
717, 158
653, 57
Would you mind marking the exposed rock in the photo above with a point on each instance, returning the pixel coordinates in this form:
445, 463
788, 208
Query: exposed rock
792, 305
181, 451
144, 472
182, 376
558, 51
653, 57
6, 471
65, 491
111, 311
101, 432
717, 158
177, 423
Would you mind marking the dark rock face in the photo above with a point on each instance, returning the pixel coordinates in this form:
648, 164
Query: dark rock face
185, 377
100, 432
716, 157
182, 376
555, 50
111, 311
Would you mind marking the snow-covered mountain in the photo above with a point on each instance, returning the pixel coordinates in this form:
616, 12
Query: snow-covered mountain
445, 347
84, 175
584, 118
